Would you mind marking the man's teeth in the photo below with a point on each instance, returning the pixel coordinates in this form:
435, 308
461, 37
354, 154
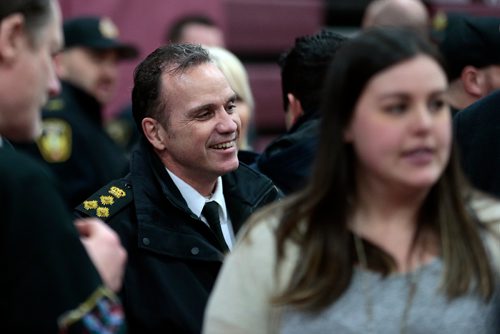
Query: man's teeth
224, 145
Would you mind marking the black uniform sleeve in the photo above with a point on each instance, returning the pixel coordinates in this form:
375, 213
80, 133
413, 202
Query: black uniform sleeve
48, 275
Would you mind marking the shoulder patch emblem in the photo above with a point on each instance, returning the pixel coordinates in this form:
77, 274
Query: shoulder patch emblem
55, 142
107, 201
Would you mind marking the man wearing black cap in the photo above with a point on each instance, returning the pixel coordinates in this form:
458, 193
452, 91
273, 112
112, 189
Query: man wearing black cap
91, 55
74, 143
471, 48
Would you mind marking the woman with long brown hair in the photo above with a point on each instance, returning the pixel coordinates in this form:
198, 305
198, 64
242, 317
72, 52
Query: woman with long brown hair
387, 237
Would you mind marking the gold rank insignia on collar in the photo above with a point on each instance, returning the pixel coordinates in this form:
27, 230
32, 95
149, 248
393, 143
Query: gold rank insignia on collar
107, 201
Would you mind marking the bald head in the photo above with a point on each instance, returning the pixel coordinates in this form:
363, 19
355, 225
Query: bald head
396, 13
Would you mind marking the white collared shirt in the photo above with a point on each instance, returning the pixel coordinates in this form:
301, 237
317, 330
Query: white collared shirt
196, 202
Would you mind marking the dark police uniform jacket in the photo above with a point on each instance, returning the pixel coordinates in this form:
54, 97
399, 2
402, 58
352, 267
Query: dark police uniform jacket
75, 145
173, 257
49, 284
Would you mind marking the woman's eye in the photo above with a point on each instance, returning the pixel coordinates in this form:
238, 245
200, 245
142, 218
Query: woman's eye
396, 108
437, 104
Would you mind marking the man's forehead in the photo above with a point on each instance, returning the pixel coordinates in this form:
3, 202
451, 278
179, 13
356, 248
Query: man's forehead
201, 84
195, 75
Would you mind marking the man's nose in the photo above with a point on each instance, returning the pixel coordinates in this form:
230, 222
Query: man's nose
226, 122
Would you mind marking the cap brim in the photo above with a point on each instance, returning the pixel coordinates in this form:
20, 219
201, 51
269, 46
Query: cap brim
127, 52
124, 51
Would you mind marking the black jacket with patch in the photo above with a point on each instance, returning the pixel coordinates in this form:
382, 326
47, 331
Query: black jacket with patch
75, 146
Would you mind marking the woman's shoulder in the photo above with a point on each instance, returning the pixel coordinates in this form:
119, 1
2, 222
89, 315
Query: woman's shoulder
266, 221
487, 211
260, 234
261, 226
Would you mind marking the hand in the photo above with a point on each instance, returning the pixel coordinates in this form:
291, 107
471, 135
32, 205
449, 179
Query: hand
104, 249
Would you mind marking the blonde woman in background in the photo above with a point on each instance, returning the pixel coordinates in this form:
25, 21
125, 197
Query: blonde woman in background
237, 77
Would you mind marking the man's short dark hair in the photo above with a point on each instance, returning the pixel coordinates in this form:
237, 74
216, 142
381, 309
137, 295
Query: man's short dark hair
174, 33
36, 13
148, 98
304, 66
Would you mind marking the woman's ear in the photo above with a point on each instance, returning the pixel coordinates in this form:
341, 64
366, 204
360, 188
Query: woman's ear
12, 37
154, 132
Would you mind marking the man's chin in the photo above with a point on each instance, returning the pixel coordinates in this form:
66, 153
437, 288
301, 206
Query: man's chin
103, 97
230, 167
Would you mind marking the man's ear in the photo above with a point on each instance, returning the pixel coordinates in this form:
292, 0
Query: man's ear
294, 111
12, 36
154, 132
472, 81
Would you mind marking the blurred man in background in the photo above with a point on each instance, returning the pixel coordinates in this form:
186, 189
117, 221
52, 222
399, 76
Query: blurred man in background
410, 13
287, 160
74, 143
195, 29
471, 48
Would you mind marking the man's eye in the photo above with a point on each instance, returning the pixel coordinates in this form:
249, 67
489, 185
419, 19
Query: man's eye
204, 114
231, 108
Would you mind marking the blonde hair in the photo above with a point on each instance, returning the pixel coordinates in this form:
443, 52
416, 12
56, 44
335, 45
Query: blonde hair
235, 74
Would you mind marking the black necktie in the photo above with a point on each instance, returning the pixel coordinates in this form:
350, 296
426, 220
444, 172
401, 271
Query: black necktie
211, 214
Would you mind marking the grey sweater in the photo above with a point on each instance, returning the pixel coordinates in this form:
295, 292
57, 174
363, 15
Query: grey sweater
429, 312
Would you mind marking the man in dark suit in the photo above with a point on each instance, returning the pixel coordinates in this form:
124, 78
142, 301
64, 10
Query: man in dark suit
476, 131
288, 159
471, 48
186, 196
49, 278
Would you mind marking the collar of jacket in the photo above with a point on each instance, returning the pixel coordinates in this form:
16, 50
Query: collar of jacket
86, 103
5, 144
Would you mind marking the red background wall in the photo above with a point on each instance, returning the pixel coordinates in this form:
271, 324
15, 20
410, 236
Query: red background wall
256, 30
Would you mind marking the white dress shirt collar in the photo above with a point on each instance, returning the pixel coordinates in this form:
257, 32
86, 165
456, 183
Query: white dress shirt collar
195, 200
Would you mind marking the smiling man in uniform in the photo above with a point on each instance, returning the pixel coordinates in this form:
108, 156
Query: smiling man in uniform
187, 194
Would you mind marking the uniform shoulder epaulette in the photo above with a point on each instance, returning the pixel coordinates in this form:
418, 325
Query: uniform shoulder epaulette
107, 201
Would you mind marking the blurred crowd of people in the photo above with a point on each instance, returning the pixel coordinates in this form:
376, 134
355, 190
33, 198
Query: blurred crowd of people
376, 211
